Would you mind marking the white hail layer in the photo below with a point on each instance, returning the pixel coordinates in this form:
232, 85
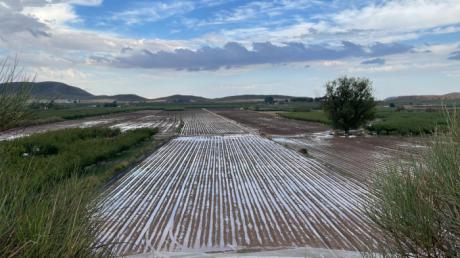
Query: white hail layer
221, 192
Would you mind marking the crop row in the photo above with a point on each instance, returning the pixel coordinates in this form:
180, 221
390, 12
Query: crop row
203, 122
229, 192
163, 120
163, 123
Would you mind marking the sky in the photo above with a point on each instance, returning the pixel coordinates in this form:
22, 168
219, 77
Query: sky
216, 48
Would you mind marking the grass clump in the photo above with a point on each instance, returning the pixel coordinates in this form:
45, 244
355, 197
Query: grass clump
13, 98
47, 184
417, 205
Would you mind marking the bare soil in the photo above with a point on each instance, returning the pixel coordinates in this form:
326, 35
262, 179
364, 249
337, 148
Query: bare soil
270, 123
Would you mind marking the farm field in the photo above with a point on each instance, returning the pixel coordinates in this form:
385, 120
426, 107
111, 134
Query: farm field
217, 189
204, 122
358, 158
165, 121
270, 123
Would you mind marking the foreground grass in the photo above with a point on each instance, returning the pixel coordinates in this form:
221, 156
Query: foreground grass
48, 182
417, 206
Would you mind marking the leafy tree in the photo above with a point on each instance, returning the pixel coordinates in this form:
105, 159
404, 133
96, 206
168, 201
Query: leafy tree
269, 100
349, 102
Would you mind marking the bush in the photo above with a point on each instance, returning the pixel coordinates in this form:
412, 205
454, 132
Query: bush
349, 102
417, 206
45, 196
13, 96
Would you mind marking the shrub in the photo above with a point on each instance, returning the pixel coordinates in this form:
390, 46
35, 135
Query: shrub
13, 97
45, 197
417, 205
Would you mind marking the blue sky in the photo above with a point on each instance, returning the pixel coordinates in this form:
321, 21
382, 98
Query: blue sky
217, 48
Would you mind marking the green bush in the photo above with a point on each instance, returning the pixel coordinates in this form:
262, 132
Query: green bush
417, 205
47, 182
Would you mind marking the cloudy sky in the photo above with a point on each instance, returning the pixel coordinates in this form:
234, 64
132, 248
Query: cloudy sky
215, 48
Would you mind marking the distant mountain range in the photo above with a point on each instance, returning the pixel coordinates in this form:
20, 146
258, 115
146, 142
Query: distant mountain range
60, 91
229, 99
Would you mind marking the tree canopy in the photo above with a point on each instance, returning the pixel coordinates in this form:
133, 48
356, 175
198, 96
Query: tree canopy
269, 100
349, 102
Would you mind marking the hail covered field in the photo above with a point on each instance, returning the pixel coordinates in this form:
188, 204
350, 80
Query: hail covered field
167, 123
220, 186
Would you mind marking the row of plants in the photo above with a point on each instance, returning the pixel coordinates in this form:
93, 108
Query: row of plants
48, 182
387, 122
407, 122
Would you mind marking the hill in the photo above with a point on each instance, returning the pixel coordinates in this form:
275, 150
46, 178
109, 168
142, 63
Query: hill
250, 98
51, 90
182, 99
421, 98
237, 98
123, 97
61, 91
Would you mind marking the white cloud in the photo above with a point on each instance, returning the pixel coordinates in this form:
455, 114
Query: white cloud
153, 11
84, 2
401, 15
252, 11
52, 15
390, 21
47, 73
41, 32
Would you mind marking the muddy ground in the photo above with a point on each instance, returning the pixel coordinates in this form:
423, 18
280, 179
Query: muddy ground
217, 189
270, 123
358, 158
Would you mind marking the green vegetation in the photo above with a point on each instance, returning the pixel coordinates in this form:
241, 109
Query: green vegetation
349, 102
269, 100
417, 205
311, 116
13, 98
388, 122
48, 181
407, 122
